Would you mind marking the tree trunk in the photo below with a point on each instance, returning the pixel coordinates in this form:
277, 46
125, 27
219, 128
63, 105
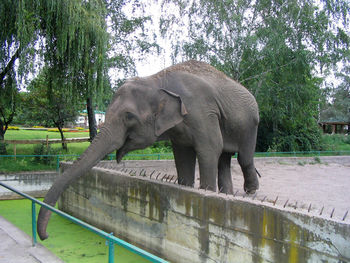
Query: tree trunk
2, 137
9, 66
91, 118
64, 145
3, 128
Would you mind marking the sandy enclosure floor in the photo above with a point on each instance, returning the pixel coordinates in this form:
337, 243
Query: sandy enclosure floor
304, 181
321, 185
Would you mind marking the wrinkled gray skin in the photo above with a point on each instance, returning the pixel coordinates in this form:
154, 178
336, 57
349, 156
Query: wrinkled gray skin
205, 115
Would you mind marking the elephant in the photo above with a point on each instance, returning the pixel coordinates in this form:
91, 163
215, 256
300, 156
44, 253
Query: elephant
206, 115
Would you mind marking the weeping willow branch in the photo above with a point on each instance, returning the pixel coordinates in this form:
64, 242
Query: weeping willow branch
9, 66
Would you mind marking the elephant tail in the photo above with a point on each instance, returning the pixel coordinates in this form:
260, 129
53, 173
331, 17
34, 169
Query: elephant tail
257, 172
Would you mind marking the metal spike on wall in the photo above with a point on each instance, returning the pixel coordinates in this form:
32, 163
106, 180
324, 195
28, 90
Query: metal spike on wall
321, 210
309, 209
285, 204
274, 203
346, 213
163, 177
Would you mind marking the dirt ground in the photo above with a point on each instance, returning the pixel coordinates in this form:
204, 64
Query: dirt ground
321, 185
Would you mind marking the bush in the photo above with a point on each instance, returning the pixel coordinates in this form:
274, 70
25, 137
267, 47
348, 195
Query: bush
43, 153
38, 127
347, 139
57, 130
13, 128
79, 128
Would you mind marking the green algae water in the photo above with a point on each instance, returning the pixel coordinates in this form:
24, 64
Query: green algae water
70, 242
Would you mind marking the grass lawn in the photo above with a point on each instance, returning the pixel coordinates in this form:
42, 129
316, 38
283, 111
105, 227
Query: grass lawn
25, 163
73, 148
67, 240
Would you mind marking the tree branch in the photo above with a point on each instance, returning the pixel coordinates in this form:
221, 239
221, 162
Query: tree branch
9, 65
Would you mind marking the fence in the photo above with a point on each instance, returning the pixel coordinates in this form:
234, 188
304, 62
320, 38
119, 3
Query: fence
52, 162
46, 141
112, 240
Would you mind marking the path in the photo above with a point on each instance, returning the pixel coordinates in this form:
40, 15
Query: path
16, 246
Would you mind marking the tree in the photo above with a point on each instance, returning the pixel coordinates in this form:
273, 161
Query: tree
337, 105
8, 101
275, 49
70, 38
10, 51
49, 105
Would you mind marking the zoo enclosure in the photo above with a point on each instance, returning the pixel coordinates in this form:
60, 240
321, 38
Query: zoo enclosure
112, 240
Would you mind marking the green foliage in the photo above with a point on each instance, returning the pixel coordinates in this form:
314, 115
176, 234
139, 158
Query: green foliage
43, 153
69, 38
274, 49
338, 107
335, 142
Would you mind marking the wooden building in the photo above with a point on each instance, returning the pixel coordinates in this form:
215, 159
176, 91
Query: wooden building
335, 126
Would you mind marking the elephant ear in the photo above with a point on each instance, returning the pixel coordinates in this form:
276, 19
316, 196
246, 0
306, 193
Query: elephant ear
171, 111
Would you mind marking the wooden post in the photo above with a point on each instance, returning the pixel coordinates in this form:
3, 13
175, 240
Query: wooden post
47, 141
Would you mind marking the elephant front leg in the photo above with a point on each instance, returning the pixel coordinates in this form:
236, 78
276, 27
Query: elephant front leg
209, 146
208, 168
208, 159
185, 161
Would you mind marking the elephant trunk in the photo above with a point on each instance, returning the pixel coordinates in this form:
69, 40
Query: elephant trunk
100, 147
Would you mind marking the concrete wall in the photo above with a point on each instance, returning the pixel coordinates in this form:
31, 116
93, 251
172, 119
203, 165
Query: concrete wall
189, 225
35, 184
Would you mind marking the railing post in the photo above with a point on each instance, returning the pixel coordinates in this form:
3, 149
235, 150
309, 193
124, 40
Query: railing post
33, 223
110, 250
58, 163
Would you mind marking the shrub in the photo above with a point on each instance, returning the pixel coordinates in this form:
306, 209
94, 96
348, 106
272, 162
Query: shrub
57, 130
13, 128
79, 128
43, 153
347, 139
52, 130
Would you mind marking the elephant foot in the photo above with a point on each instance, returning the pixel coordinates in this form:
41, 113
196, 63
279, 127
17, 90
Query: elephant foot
250, 187
250, 191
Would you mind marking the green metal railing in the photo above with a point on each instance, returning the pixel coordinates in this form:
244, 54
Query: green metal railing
160, 156
112, 240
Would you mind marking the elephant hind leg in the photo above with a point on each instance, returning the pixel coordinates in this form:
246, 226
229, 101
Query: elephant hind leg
224, 173
185, 161
251, 183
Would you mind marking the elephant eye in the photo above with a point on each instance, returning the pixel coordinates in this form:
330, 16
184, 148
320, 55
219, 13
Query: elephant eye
130, 116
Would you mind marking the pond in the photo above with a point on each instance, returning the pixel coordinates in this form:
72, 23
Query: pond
68, 241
